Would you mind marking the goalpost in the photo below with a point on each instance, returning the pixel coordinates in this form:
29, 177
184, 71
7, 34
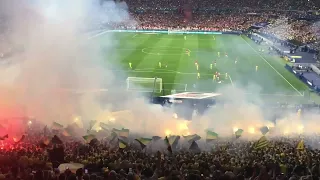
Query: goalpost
175, 31
144, 84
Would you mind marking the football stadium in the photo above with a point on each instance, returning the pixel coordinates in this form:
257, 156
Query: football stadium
189, 63
159, 89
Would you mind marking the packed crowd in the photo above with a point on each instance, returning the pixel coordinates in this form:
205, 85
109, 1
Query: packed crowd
200, 21
282, 24
295, 30
222, 159
228, 4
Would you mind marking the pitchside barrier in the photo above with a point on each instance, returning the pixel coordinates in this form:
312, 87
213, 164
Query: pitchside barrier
173, 31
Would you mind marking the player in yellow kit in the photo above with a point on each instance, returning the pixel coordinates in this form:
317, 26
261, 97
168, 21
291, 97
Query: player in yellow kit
211, 66
218, 54
256, 68
130, 65
159, 64
197, 66
188, 52
198, 76
214, 77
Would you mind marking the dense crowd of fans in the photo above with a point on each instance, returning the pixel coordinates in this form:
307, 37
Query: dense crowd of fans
300, 26
229, 4
224, 159
283, 26
227, 159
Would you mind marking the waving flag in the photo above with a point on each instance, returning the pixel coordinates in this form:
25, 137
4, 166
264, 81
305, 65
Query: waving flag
88, 137
56, 126
104, 126
122, 144
91, 124
261, 143
143, 142
194, 147
300, 145
191, 138
121, 133
166, 140
211, 136
238, 133
174, 140
156, 138
264, 130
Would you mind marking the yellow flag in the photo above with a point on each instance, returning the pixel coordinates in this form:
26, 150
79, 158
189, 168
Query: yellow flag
261, 143
300, 145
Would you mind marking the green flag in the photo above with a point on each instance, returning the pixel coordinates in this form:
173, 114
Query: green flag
238, 133
143, 142
121, 133
211, 136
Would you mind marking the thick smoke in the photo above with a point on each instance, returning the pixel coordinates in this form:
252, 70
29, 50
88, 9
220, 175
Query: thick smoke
60, 74
57, 59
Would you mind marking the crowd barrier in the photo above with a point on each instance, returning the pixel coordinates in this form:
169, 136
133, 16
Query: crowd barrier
175, 32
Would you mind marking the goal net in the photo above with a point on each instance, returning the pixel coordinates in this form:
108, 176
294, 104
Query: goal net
144, 84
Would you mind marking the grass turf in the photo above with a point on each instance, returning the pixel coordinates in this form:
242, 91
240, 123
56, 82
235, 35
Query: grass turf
272, 82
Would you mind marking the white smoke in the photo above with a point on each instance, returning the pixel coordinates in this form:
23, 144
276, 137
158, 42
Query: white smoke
58, 60
57, 57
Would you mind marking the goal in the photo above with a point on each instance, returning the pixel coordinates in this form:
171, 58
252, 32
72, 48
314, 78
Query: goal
175, 31
142, 84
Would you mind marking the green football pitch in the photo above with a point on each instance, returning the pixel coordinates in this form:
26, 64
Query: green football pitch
271, 82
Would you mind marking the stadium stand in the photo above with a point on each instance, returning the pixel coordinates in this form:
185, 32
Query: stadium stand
35, 156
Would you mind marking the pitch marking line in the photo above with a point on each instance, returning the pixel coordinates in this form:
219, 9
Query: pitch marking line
272, 67
165, 48
99, 34
103, 32
286, 95
134, 35
231, 81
